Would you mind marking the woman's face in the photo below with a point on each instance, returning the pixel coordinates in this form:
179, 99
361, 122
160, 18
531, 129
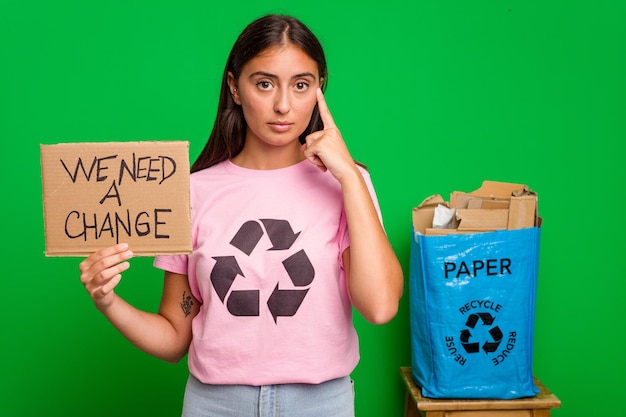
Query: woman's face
276, 90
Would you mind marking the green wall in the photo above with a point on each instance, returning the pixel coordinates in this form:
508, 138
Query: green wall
435, 97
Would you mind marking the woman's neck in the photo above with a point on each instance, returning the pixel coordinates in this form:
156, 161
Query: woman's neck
268, 157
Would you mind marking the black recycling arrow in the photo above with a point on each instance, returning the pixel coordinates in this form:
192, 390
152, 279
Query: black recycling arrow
280, 233
472, 320
247, 237
486, 318
299, 269
223, 274
243, 303
490, 347
471, 347
285, 303
496, 333
465, 335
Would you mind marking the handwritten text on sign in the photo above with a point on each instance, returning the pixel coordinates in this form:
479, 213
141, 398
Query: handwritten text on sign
98, 194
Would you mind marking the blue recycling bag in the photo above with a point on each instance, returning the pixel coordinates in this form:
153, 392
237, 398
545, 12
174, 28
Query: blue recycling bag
472, 306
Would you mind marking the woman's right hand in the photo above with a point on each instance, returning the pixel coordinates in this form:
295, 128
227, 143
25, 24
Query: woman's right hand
102, 271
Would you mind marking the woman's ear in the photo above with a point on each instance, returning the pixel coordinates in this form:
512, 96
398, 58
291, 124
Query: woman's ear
232, 86
322, 83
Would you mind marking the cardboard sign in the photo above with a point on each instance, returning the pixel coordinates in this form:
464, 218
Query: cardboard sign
99, 194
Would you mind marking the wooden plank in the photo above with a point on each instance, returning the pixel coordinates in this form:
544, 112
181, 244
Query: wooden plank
544, 400
483, 413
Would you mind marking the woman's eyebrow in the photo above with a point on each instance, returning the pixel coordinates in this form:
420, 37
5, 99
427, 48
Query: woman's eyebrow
262, 74
270, 75
304, 74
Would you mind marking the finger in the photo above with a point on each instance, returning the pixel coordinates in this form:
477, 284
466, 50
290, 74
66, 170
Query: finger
313, 137
311, 157
103, 268
101, 277
317, 162
106, 257
327, 118
101, 254
109, 286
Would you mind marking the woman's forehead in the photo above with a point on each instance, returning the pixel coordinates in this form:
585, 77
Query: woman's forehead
282, 60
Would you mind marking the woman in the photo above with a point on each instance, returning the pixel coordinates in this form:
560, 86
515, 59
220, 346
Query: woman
287, 238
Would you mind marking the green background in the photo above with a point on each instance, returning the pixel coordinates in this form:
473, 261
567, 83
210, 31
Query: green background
434, 96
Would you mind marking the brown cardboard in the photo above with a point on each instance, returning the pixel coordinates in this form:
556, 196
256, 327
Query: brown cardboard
494, 206
99, 194
479, 203
494, 190
497, 189
522, 212
434, 231
482, 219
424, 213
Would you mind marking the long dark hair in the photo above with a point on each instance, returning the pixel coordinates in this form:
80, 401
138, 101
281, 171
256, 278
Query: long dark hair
229, 130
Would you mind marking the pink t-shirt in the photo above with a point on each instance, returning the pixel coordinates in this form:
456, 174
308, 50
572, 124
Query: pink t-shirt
266, 266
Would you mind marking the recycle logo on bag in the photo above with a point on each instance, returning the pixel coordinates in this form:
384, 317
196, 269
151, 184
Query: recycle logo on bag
282, 302
481, 334
489, 346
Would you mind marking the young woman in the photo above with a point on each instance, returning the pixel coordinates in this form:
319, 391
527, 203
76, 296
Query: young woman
287, 237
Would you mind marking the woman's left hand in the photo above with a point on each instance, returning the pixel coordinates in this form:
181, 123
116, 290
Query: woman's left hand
326, 148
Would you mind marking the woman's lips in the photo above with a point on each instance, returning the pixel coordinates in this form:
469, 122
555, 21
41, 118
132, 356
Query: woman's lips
280, 126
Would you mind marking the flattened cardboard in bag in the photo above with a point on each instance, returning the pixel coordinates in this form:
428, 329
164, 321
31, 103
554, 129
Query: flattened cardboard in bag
423, 214
523, 212
494, 190
482, 219
99, 194
493, 206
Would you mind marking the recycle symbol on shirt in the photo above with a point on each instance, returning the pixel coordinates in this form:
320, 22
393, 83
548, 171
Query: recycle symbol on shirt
282, 302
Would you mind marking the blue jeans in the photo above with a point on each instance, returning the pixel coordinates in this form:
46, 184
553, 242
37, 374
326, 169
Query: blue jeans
333, 398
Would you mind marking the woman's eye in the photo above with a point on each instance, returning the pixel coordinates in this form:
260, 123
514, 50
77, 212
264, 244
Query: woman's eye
264, 85
301, 86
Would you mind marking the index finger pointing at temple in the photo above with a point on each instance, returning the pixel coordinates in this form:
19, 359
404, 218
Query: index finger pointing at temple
327, 119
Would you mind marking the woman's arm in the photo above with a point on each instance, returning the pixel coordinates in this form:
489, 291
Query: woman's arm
374, 275
375, 278
166, 334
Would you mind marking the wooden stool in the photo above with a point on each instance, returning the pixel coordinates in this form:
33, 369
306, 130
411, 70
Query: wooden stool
538, 406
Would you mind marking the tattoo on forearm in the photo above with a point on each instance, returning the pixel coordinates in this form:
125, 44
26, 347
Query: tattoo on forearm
186, 304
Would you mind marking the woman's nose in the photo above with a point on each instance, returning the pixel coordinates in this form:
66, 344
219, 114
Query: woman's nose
281, 103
